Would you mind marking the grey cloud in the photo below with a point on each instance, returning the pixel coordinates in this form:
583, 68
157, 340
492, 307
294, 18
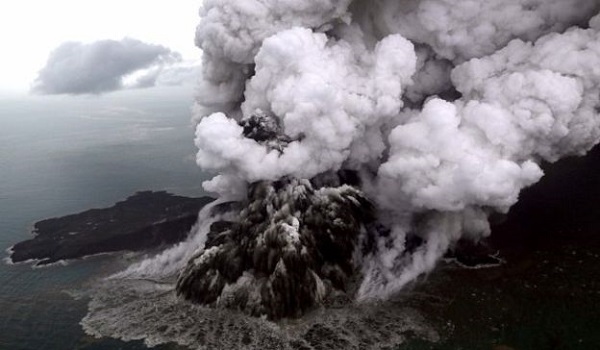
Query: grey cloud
173, 75
148, 79
179, 75
78, 68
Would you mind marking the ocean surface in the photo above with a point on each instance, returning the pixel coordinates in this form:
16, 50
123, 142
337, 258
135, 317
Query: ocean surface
62, 155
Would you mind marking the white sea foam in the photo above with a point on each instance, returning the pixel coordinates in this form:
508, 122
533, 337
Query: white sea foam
145, 310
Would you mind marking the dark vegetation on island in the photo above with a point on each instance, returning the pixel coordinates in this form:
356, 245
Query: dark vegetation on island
144, 220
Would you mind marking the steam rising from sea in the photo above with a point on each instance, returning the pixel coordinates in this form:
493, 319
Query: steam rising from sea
445, 109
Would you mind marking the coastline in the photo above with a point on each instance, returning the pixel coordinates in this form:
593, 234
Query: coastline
144, 220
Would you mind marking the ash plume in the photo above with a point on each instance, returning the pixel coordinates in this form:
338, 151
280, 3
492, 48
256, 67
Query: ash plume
442, 111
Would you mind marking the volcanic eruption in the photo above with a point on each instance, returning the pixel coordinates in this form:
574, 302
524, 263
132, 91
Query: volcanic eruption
363, 139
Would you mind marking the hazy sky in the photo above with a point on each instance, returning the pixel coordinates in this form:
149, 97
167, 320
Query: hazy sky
31, 29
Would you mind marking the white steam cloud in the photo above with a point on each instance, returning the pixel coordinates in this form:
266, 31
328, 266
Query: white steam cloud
445, 107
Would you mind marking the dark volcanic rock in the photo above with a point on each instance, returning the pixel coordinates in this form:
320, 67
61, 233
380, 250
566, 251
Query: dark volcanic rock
266, 130
291, 249
144, 220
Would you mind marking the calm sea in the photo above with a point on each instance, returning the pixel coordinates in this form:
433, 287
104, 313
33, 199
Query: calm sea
61, 155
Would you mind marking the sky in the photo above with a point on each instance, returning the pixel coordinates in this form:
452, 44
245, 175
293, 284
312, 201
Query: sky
31, 29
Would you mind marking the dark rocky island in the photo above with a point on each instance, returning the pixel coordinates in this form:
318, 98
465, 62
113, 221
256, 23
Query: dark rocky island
144, 220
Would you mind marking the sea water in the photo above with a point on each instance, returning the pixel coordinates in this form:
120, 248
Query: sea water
62, 155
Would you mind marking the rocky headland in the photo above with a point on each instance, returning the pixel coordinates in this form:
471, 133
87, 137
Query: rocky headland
142, 221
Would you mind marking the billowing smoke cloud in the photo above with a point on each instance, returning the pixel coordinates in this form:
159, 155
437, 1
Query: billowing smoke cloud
445, 108
101, 66
299, 75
